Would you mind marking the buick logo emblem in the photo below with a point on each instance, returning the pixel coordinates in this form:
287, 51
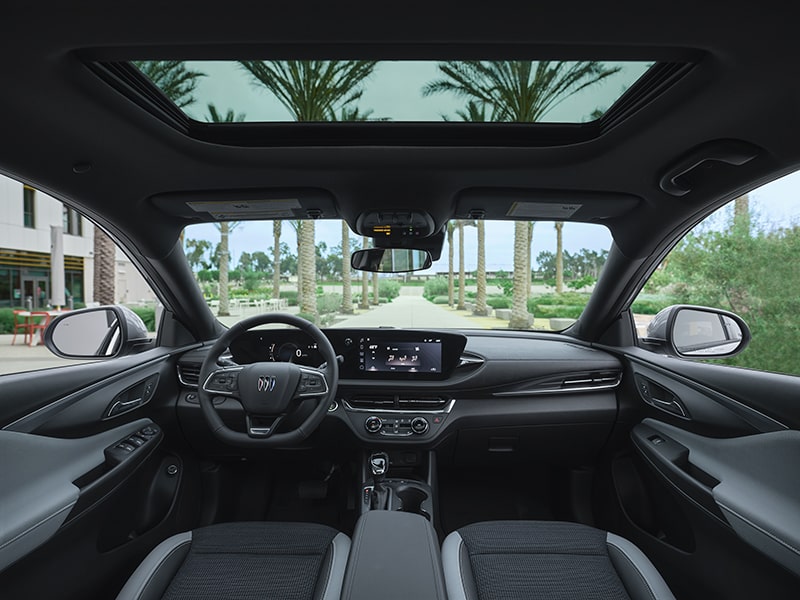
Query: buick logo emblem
266, 383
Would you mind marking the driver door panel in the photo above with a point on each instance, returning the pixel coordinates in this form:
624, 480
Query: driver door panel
84, 487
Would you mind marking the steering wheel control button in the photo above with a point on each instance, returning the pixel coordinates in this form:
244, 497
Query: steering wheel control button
419, 425
373, 424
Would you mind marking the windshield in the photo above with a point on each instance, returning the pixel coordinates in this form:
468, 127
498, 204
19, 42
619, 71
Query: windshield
491, 274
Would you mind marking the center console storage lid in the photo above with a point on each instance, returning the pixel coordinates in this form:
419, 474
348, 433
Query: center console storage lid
395, 556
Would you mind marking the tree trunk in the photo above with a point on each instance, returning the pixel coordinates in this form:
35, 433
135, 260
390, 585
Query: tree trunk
519, 299
347, 286
298, 230
480, 299
105, 259
529, 271
741, 214
375, 300
276, 258
559, 258
461, 276
309, 269
364, 280
224, 259
450, 255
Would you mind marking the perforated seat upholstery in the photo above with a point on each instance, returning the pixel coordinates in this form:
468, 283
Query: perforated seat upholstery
244, 561
515, 560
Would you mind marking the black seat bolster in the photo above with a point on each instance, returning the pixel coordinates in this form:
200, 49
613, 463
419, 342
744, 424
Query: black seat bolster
152, 577
637, 573
548, 560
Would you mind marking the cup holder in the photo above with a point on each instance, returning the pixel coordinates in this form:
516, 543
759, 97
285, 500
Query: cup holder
411, 499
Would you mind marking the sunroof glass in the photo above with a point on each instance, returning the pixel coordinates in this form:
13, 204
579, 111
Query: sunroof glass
399, 91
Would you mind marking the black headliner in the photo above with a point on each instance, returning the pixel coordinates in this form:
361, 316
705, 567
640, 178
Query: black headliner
57, 113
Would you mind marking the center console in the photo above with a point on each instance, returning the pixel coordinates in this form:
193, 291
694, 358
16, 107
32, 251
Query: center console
394, 556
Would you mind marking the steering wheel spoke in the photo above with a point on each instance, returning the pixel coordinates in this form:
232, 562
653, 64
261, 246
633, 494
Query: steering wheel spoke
313, 382
223, 382
261, 427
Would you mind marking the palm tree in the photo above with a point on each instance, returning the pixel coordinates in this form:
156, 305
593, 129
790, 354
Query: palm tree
173, 78
741, 213
451, 226
347, 288
214, 116
529, 272
313, 90
559, 258
522, 92
375, 289
224, 261
364, 280
516, 90
519, 299
105, 261
461, 275
308, 268
297, 225
480, 298
276, 258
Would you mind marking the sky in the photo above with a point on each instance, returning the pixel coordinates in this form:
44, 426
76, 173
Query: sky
776, 204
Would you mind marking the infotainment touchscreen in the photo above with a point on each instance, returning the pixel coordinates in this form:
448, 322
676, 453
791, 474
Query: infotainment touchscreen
416, 356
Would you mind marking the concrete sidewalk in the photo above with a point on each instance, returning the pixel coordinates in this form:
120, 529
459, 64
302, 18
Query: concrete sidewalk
410, 312
21, 357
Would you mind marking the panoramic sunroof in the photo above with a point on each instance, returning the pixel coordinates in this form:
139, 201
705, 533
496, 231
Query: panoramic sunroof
393, 91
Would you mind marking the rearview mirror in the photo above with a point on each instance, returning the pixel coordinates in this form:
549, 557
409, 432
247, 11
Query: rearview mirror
103, 332
699, 332
391, 260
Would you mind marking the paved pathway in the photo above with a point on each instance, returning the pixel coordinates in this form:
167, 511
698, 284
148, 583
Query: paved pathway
408, 311
20, 357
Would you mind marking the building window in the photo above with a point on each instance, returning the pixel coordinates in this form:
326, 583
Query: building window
29, 207
73, 224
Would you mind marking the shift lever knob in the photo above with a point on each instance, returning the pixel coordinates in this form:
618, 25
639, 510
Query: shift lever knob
379, 464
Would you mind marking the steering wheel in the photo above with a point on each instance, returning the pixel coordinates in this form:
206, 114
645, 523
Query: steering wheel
268, 391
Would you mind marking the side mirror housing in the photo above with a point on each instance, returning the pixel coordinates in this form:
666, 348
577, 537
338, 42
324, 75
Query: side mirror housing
100, 333
698, 332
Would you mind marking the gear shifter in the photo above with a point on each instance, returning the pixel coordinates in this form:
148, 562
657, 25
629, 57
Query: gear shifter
379, 464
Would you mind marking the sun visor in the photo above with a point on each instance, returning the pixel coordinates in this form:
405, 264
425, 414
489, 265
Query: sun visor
244, 205
542, 205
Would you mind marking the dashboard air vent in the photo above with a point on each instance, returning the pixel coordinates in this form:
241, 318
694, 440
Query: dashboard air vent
189, 374
397, 403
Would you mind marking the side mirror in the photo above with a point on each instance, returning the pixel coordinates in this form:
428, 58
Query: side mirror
391, 260
104, 332
699, 332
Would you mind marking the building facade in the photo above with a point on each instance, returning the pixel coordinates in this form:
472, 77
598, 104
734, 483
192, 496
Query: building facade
26, 217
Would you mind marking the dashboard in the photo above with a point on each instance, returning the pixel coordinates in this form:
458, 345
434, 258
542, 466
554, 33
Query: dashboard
483, 395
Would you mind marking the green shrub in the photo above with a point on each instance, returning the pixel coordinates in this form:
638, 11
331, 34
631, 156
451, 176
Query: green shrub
306, 316
290, 296
329, 303
388, 288
651, 305
146, 314
383, 300
441, 300
6, 320
471, 295
435, 287
564, 311
498, 301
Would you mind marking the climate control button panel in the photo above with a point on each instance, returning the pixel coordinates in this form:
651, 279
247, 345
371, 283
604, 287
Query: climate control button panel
401, 425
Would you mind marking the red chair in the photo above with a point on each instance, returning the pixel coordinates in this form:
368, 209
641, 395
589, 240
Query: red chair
23, 324
39, 322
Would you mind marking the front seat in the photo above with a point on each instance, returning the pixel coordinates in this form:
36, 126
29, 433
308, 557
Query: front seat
547, 560
244, 561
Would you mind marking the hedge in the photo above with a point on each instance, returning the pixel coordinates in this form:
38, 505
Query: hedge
441, 300
146, 314
290, 296
498, 301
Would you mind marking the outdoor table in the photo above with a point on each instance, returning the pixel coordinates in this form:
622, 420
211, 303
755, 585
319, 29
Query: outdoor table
30, 317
